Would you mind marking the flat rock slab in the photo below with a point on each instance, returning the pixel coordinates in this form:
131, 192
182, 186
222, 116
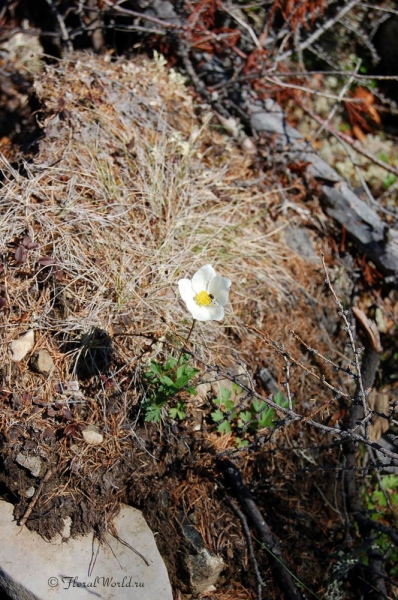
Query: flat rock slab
33, 569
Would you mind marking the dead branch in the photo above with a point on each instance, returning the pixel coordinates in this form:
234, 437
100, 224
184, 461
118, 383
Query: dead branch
62, 26
357, 413
320, 31
246, 530
141, 15
35, 498
290, 415
346, 138
281, 572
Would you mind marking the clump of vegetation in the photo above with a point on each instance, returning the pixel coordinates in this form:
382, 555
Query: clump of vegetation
164, 382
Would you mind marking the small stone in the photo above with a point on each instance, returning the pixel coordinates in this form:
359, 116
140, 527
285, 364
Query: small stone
202, 566
41, 362
30, 492
92, 436
65, 533
298, 239
204, 570
22, 346
31, 463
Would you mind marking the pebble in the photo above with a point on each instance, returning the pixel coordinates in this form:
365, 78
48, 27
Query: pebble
92, 436
31, 463
41, 362
22, 346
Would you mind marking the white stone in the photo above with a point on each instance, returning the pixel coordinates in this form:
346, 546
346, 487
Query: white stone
32, 463
92, 436
22, 346
42, 362
30, 491
65, 533
33, 569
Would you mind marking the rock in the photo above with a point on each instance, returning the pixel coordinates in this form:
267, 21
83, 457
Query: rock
30, 492
203, 567
271, 119
31, 463
298, 239
66, 531
371, 234
22, 346
204, 570
92, 436
33, 569
41, 362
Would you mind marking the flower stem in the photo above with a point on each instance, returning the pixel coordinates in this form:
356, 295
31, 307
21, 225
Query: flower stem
187, 340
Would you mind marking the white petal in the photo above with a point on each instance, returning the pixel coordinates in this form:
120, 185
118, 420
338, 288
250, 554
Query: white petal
201, 279
217, 313
205, 313
185, 289
219, 287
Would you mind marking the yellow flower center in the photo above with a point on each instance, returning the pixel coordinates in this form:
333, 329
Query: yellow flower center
203, 299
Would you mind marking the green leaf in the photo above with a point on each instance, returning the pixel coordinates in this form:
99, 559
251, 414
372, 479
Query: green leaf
246, 416
241, 443
169, 364
229, 405
236, 388
178, 411
258, 405
267, 418
225, 394
153, 414
181, 381
389, 180
191, 390
224, 427
155, 367
383, 156
165, 379
390, 481
180, 371
217, 415
280, 400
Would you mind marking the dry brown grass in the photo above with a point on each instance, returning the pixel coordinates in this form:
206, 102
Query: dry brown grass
128, 193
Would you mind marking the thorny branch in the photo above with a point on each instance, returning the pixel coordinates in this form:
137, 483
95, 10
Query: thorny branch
292, 415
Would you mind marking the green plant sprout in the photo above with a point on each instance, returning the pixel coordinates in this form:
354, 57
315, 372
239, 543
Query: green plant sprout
377, 504
257, 416
225, 406
164, 381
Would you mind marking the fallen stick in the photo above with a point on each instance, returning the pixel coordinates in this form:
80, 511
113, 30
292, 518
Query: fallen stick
282, 574
35, 498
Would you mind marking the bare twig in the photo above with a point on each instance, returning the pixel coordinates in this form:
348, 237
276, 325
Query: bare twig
35, 498
291, 416
349, 328
320, 31
342, 136
145, 17
246, 530
62, 26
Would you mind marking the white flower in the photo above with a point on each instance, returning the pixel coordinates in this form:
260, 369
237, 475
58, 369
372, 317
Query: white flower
206, 294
